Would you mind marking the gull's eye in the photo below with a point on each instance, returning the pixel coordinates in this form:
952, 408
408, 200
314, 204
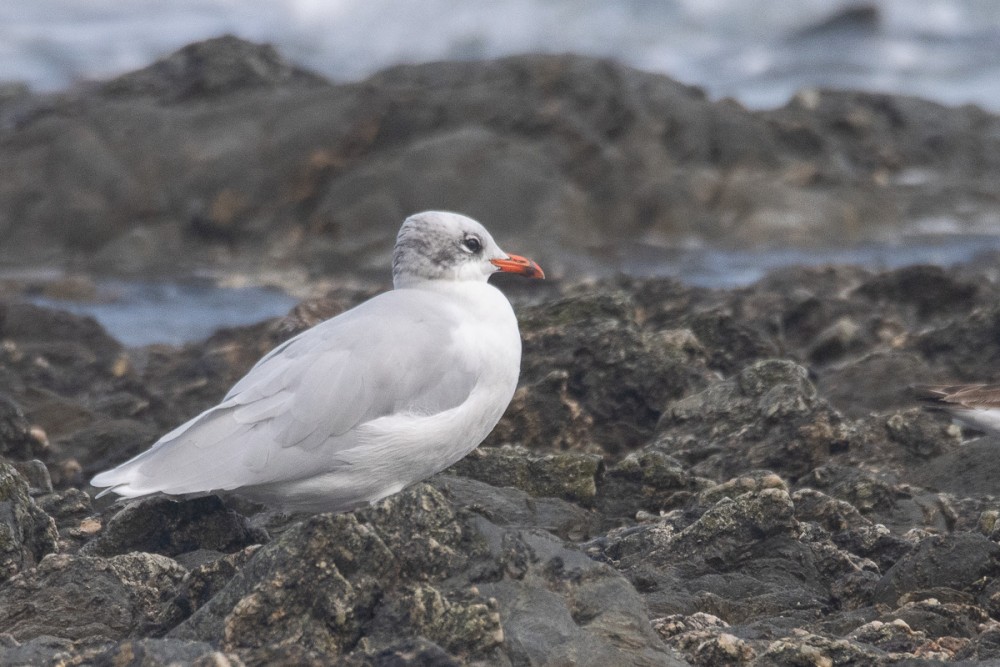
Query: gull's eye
472, 244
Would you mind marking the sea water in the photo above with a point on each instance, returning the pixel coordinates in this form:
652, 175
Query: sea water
760, 52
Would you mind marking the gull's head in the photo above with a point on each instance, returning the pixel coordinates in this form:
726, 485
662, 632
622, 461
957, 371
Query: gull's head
437, 245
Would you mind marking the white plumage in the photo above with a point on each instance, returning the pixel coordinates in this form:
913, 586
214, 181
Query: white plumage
366, 403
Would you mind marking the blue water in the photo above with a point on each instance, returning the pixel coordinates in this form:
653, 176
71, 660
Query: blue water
733, 268
141, 313
759, 52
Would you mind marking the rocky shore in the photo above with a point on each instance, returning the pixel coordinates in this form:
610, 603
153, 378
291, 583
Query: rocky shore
225, 157
685, 475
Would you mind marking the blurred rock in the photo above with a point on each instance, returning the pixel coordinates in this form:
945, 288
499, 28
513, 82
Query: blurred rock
27, 534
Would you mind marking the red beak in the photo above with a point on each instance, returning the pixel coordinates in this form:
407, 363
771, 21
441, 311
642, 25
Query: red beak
519, 265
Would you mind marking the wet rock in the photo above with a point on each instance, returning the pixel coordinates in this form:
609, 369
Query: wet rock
928, 289
27, 534
957, 561
875, 382
515, 508
16, 439
105, 443
78, 597
554, 601
36, 475
768, 416
591, 379
209, 572
171, 527
731, 344
718, 564
57, 350
567, 475
933, 618
963, 347
967, 470
648, 480
43, 650
162, 653
810, 649
410, 567
983, 648
210, 68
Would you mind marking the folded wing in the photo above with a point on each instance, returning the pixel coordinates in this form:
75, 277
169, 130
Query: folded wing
301, 404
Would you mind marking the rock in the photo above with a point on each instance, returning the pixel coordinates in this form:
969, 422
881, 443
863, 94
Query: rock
647, 480
809, 649
703, 639
162, 653
27, 534
936, 619
957, 561
203, 581
105, 443
567, 475
768, 416
16, 439
78, 597
42, 650
214, 67
410, 567
171, 527
515, 508
731, 344
591, 379
927, 288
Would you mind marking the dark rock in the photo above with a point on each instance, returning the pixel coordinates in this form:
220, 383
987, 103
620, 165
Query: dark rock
203, 581
413, 568
210, 68
970, 469
567, 475
407, 653
105, 443
719, 564
515, 508
591, 379
928, 289
768, 416
966, 348
77, 597
815, 649
42, 650
35, 474
985, 647
161, 653
937, 619
957, 561
171, 527
16, 439
731, 344
26, 532
63, 348
647, 480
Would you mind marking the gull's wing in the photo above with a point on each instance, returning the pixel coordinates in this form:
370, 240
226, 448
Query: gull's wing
394, 354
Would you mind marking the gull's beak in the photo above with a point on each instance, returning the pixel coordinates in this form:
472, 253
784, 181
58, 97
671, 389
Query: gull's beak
519, 265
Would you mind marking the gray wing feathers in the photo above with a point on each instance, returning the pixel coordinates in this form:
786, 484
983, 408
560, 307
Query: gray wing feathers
312, 391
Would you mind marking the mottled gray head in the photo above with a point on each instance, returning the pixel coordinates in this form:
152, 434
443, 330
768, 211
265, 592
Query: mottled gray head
437, 245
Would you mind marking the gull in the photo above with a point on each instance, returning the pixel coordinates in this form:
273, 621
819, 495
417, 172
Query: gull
366, 403
975, 405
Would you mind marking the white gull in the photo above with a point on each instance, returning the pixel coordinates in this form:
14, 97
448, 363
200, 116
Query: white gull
366, 403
